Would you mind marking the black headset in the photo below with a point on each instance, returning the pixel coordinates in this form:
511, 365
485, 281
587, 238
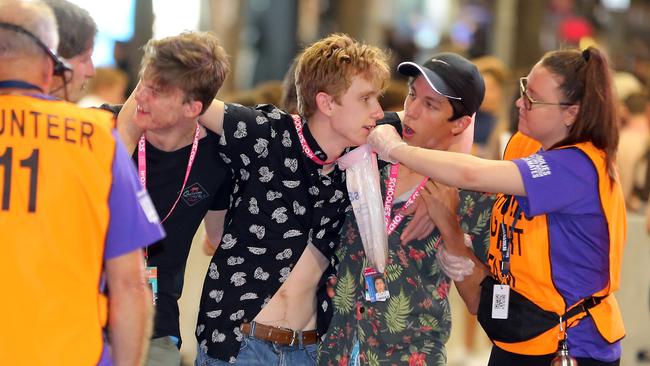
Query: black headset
60, 66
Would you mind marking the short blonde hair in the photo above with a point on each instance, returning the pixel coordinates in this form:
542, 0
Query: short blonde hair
330, 64
194, 62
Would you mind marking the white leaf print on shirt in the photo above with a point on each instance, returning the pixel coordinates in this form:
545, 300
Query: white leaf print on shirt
227, 242
285, 254
241, 130
233, 261
292, 164
291, 233
237, 315
213, 314
217, 295
271, 195
286, 139
337, 196
275, 114
225, 158
284, 273
245, 159
218, 337
256, 250
313, 190
260, 274
297, 209
279, 215
291, 183
199, 329
238, 279
265, 174
213, 272
238, 335
261, 147
248, 296
252, 206
244, 174
258, 230
261, 120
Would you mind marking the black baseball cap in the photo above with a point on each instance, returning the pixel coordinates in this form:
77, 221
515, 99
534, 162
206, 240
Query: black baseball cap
452, 76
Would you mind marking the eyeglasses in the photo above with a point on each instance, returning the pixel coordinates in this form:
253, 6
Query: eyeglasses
528, 101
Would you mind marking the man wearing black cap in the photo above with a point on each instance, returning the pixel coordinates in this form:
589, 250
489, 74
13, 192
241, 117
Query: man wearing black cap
412, 322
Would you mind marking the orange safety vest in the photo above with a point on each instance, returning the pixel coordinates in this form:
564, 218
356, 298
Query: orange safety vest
531, 268
56, 165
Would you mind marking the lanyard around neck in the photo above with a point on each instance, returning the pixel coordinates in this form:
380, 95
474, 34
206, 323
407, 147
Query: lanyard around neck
506, 238
19, 84
391, 186
142, 165
303, 142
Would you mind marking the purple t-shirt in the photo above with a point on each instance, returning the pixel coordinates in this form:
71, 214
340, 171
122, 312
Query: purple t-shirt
134, 223
563, 184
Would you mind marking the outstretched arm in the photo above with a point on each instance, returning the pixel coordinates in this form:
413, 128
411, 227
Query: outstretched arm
212, 118
454, 169
130, 133
129, 308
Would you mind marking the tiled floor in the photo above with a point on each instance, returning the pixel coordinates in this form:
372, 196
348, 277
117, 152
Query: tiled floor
633, 297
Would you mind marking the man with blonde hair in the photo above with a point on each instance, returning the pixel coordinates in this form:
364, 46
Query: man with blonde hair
71, 209
259, 301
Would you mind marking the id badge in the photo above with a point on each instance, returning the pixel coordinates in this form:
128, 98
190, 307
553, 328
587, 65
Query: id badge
500, 300
152, 280
376, 289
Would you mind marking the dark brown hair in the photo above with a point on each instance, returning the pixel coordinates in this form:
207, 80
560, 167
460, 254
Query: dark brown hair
191, 61
77, 29
586, 79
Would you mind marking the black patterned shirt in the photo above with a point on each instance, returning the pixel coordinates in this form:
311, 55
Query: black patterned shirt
280, 203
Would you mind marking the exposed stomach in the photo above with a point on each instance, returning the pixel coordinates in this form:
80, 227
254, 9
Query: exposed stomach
294, 305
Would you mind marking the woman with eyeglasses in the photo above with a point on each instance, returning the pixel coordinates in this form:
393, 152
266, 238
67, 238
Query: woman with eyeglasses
558, 223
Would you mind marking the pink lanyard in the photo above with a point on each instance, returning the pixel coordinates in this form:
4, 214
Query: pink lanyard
303, 142
142, 165
391, 225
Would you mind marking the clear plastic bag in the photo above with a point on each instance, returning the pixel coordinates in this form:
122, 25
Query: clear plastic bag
362, 176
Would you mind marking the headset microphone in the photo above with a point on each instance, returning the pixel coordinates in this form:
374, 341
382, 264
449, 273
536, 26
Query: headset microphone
61, 68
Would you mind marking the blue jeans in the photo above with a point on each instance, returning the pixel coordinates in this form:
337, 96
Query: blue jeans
255, 352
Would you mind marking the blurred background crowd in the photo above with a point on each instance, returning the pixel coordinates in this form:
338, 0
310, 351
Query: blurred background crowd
502, 36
